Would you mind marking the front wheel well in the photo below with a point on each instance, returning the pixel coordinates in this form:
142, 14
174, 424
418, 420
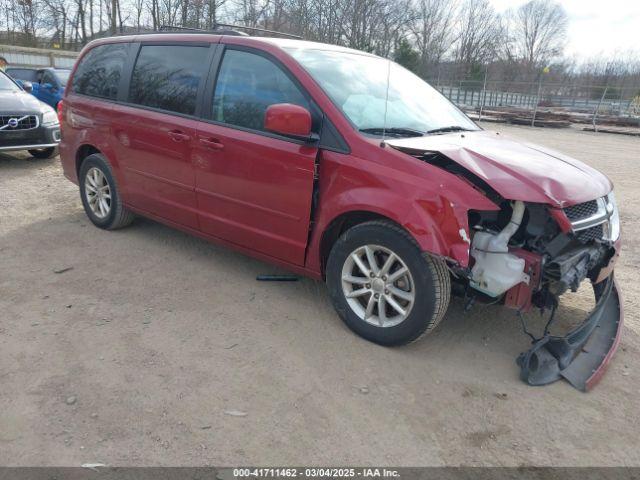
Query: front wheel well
83, 152
341, 224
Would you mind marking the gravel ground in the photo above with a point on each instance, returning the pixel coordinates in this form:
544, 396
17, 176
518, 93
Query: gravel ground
156, 348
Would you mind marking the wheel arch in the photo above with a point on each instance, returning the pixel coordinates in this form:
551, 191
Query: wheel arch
83, 152
341, 224
437, 225
346, 220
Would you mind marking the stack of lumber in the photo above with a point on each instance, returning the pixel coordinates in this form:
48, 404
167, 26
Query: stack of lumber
522, 116
619, 130
553, 117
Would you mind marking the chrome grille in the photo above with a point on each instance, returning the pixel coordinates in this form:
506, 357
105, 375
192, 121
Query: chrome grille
590, 220
582, 210
10, 123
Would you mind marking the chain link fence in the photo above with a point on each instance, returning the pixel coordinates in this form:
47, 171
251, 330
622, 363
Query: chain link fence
538, 103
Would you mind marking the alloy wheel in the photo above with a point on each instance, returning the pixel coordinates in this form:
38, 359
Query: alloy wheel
98, 192
378, 285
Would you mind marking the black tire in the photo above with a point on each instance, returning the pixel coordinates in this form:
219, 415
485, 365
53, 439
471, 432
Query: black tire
431, 278
118, 216
43, 153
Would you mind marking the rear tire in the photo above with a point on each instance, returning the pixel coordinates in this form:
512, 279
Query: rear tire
100, 194
414, 283
44, 153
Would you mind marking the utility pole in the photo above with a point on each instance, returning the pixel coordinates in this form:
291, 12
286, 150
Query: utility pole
484, 92
595, 112
545, 70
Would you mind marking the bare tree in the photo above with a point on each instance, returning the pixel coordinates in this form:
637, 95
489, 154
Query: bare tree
538, 31
478, 34
252, 13
114, 9
213, 12
431, 30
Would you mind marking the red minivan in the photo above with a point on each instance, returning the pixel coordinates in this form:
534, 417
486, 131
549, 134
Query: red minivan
344, 167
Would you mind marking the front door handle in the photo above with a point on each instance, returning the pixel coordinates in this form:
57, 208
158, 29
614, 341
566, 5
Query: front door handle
179, 136
212, 143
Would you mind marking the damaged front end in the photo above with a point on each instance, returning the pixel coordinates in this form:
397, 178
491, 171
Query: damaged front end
557, 226
581, 356
527, 255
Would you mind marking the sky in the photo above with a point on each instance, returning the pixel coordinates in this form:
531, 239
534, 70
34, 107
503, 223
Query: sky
596, 27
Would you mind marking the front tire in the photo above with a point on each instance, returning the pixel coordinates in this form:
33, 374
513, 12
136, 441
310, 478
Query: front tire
44, 153
100, 195
383, 287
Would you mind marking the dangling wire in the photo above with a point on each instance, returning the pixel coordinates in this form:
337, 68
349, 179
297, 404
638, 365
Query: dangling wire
386, 103
546, 327
524, 326
551, 317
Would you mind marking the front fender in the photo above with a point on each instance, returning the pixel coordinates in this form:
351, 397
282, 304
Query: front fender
433, 208
436, 225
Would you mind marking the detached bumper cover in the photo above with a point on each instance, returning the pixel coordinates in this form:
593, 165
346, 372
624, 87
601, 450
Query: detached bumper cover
581, 356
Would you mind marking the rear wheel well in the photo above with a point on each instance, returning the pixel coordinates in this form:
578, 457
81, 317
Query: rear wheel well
341, 224
83, 152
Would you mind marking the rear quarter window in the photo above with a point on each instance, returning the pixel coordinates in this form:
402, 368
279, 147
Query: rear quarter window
168, 77
99, 71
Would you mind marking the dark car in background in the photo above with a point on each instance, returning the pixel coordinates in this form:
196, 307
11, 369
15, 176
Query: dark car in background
26, 123
48, 84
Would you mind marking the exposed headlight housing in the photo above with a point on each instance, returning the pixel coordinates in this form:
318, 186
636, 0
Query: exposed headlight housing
613, 226
49, 117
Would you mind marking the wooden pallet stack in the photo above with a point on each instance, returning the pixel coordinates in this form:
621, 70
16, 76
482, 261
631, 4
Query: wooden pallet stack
558, 118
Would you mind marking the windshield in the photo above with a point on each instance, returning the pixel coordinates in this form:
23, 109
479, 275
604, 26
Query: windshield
63, 76
357, 84
6, 83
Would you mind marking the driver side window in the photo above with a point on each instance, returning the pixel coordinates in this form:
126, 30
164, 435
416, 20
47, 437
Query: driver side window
247, 85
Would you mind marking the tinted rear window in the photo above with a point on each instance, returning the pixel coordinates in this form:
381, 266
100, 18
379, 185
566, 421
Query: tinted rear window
99, 71
168, 77
25, 74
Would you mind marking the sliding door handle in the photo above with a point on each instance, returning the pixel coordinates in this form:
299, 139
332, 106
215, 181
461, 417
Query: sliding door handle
212, 143
178, 136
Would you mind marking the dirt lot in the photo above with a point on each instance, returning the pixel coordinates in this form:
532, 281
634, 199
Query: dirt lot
157, 348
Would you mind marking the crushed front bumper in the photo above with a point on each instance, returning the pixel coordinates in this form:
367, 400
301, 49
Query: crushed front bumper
580, 357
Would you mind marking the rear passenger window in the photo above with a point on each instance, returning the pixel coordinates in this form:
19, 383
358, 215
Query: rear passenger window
99, 72
167, 77
247, 85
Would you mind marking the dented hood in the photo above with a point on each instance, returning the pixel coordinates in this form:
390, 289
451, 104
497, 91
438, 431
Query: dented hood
516, 170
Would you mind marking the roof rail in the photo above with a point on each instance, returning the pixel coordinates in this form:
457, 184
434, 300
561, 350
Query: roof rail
256, 29
218, 31
229, 29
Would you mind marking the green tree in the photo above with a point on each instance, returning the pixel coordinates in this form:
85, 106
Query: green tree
406, 56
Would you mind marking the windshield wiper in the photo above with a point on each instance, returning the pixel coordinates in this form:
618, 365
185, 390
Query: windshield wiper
451, 128
394, 131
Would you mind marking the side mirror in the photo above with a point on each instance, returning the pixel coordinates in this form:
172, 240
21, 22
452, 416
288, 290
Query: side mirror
289, 120
47, 86
27, 87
